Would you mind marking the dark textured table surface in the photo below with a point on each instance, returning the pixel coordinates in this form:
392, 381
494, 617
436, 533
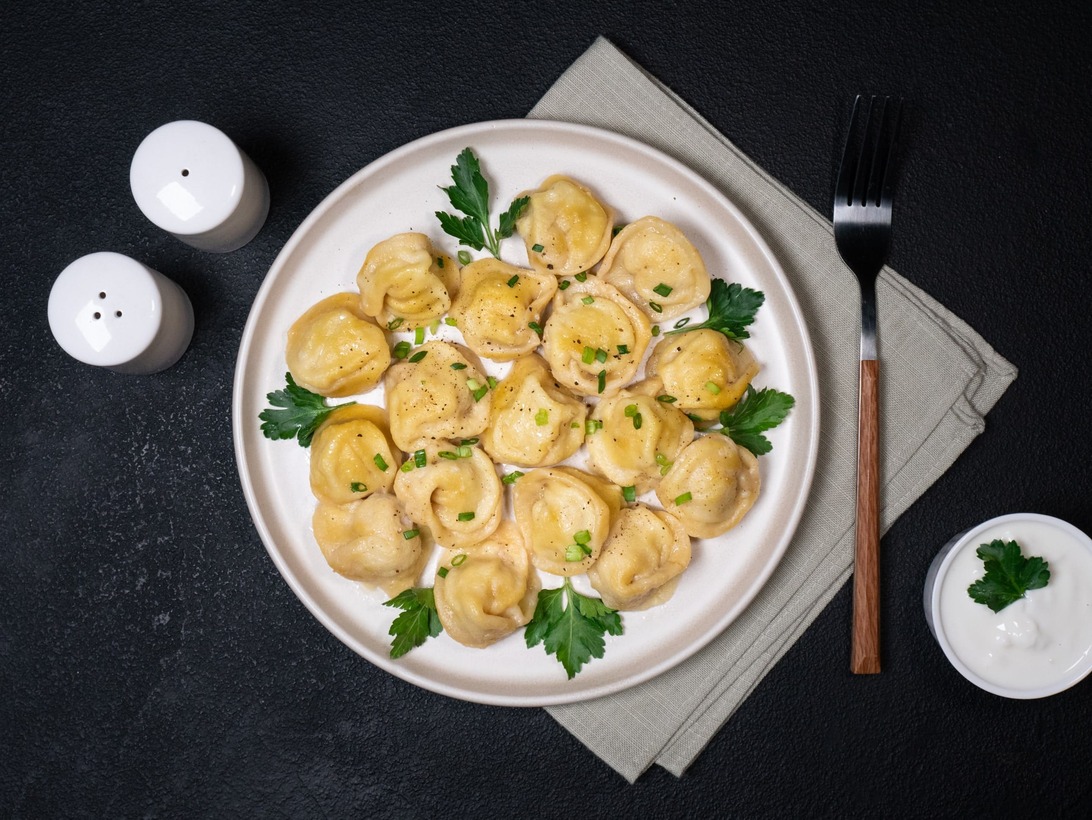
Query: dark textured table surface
152, 660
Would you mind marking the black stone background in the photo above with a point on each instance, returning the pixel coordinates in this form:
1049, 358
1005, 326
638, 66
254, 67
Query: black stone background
153, 662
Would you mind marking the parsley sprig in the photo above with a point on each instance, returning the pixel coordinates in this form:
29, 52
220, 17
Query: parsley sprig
571, 626
470, 195
417, 622
754, 414
731, 309
1009, 575
299, 415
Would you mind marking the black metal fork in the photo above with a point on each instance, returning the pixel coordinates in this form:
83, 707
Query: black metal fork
862, 232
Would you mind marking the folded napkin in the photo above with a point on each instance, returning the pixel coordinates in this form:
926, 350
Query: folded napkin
938, 380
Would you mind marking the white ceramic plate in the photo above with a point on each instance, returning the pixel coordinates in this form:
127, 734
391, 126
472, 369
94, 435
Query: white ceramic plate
400, 192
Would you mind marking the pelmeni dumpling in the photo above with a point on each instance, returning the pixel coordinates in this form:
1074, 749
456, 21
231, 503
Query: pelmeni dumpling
335, 350
639, 436
499, 306
352, 455
405, 282
704, 370
488, 592
640, 564
711, 485
366, 541
595, 338
533, 421
565, 516
457, 494
657, 267
566, 229
434, 396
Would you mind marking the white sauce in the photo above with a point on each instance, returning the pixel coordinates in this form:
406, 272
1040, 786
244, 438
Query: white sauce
1042, 639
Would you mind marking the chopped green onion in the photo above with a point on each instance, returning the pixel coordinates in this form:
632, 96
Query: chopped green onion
629, 493
464, 257
582, 537
617, 229
511, 478
589, 355
666, 399
602, 385
591, 425
409, 535
442, 572
656, 307
440, 262
623, 350
536, 327
664, 469
406, 467
637, 422
401, 350
682, 322
630, 411
466, 516
512, 282
564, 284
473, 384
575, 425
464, 451
380, 462
358, 487
600, 355
581, 277
451, 321
574, 553
459, 560
655, 330
458, 366
434, 325
712, 387
542, 417
491, 381
480, 392
682, 499
694, 417
395, 323
473, 440
419, 336
662, 289
420, 458
416, 357
537, 248
450, 456
587, 300
661, 459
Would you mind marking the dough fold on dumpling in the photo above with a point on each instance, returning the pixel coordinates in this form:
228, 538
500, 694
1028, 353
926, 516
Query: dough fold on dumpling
719, 480
653, 263
365, 541
638, 438
595, 338
352, 455
565, 516
640, 564
430, 399
405, 282
488, 592
704, 370
458, 497
335, 350
533, 421
566, 229
499, 306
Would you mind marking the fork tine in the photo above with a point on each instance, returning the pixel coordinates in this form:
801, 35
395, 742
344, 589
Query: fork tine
888, 184
866, 159
843, 191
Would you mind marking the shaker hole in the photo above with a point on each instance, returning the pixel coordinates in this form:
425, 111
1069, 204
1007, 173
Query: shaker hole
98, 315
117, 313
102, 294
185, 172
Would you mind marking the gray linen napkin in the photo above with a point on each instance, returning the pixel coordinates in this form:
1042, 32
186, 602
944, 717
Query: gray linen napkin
938, 380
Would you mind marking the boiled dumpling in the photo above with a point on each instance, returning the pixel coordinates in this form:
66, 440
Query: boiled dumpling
565, 516
499, 306
657, 267
405, 283
335, 350
366, 541
637, 438
704, 370
595, 338
488, 592
711, 485
533, 421
457, 494
640, 564
352, 455
442, 395
566, 229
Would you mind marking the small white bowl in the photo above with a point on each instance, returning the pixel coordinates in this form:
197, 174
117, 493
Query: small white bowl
1015, 653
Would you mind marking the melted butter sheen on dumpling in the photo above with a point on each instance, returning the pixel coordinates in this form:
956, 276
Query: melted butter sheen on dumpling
638, 437
595, 330
721, 481
640, 564
347, 451
335, 350
428, 399
365, 541
653, 263
497, 305
460, 499
404, 281
533, 421
566, 229
704, 370
565, 516
489, 592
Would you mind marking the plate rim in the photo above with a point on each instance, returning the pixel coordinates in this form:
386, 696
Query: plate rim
299, 234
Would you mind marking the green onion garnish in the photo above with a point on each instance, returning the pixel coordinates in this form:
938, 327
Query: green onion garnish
581, 277
630, 411
401, 350
623, 350
712, 387
589, 355
466, 516
511, 477
395, 323
587, 300
536, 327
591, 425
442, 572
602, 381
582, 537
682, 499
416, 357
480, 392
419, 336
464, 257
512, 282
420, 458
600, 355
656, 307
409, 535
380, 462
662, 289
458, 366
655, 330
537, 248
358, 487
406, 466
629, 493
682, 322
564, 284
459, 559
450, 456
440, 262
666, 399
464, 451
637, 422
451, 321
542, 417
574, 553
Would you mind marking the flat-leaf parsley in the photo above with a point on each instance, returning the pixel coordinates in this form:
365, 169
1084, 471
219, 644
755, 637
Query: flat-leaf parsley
571, 626
756, 412
470, 195
296, 413
731, 309
1009, 575
417, 622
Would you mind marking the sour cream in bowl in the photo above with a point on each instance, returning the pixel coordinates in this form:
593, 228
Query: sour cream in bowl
1038, 645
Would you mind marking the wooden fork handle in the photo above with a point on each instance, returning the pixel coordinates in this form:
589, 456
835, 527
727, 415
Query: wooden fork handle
865, 657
